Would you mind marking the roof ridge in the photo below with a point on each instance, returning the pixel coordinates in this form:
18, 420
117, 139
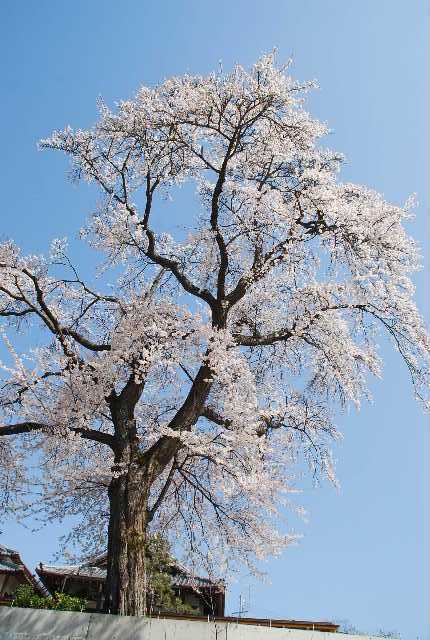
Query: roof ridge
60, 566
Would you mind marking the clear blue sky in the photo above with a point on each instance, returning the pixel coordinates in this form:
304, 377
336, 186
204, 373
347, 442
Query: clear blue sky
365, 551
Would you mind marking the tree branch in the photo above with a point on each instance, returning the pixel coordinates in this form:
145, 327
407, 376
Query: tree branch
29, 426
48, 317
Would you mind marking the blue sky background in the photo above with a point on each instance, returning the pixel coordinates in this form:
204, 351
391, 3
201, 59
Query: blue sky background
365, 553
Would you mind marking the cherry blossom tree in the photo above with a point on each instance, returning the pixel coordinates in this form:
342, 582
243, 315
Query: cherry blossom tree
181, 398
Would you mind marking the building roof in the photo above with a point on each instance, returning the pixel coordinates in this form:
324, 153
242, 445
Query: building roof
181, 577
91, 573
95, 569
8, 559
8, 567
10, 562
6, 550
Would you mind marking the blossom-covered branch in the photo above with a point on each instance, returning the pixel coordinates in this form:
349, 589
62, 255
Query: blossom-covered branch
182, 398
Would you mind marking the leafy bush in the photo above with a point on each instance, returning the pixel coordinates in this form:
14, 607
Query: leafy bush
26, 597
64, 602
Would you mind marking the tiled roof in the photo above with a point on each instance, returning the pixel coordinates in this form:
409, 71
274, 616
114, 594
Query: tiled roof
6, 550
181, 580
73, 570
11, 562
180, 576
9, 566
6, 562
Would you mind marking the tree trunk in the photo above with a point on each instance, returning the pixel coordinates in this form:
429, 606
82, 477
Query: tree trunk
134, 472
125, 589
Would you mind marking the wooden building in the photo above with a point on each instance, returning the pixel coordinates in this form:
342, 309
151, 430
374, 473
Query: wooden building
87, 580
13, 572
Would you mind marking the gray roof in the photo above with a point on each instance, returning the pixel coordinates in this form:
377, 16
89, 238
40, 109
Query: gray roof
6, 562
73, 570
10, 562
180, 576
6, 550
196, 582
9, 566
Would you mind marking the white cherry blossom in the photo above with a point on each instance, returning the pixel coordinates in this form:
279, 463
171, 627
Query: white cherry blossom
183, 398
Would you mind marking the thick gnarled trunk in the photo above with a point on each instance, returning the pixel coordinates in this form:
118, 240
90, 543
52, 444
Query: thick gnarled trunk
125, 589
134, 473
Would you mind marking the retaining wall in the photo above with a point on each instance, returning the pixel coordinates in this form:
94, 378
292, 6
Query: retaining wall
33, 624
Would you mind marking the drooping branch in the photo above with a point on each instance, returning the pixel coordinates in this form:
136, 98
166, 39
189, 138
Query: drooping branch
258, 340
23, 389
21, 428
46, 314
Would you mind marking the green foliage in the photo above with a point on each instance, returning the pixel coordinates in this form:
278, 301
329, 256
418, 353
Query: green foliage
161, 595
64, 602
26, 597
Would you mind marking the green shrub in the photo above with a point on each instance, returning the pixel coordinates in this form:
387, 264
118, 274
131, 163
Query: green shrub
26, 597
160, 592
64, 602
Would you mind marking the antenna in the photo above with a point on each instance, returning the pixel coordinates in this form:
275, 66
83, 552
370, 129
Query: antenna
242, 609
